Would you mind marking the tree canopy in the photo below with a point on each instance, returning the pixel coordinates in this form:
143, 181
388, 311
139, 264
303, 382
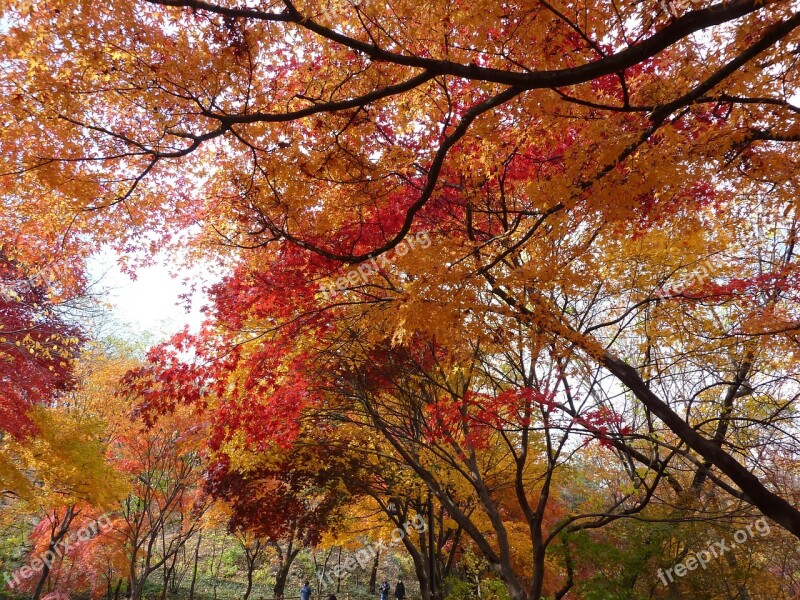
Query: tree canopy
470, 248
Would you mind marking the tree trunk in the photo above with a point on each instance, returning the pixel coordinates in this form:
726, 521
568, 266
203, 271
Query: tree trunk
252, 560
137, 588
58, 530
283, 571
165, 582
249, 584
170, 573
280, 582
373, 576
194, 569
134, 593
322, 572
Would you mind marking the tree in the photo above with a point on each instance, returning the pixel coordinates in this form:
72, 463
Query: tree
61, 479
285, 504
437, 405
164, 509
253, 549
37, 347
486, 438
445, 173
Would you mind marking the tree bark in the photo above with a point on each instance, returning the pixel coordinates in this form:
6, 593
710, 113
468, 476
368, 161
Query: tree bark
194, 568
117, 590
769, 503
251, 556
58, 530
373, 576
284, 565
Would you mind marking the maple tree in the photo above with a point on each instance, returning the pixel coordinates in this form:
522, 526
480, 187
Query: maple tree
285, 502
461, 229
162, 513
37, 347
58, 474
390, 506
254, 550
491, 453
89, 462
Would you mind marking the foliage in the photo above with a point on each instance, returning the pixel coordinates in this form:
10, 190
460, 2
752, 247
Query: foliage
37, 347
458, 589
528, 267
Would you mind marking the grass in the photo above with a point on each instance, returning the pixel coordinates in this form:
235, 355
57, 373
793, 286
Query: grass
226, 590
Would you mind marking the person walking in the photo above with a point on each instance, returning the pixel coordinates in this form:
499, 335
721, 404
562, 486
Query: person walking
400, 591
384, 590
305, 592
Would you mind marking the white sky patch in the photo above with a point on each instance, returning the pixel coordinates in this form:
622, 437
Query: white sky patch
152, 306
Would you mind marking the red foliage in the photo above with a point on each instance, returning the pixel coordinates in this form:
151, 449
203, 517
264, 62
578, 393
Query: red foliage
784, 282
479, 414
36, 348
236, 362
80, 561
603, 423
281, 502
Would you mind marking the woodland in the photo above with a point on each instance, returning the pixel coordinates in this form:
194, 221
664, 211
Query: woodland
505, 299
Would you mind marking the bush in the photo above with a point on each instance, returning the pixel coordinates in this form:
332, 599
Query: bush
494, 589
458, 589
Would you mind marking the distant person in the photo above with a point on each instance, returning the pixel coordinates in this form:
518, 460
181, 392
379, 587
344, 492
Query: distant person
384, 590
305, 592
400, 591
331, 597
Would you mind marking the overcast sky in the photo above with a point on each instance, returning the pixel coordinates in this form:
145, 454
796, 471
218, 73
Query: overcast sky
151, 305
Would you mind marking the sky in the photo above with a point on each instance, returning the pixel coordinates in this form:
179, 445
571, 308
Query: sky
149, 306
